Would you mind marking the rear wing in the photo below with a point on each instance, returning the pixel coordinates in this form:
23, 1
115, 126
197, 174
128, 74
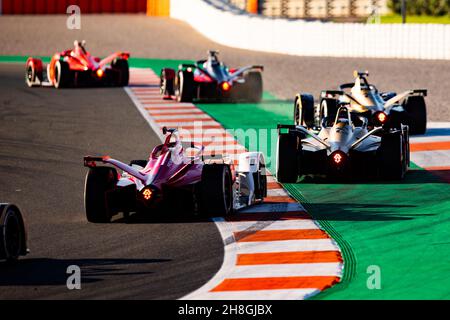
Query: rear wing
331, 93
420, 92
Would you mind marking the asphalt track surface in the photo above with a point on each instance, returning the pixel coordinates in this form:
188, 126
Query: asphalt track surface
43, 137
166, 38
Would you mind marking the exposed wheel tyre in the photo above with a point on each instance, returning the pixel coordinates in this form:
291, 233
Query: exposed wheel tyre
304, 110
167, 82
63, 76
185, 86
98, 181
12, 233
260, 181
216, 191
33, 72
327, 109
122, 72
416, 110
287, 158
393, 160
253, 87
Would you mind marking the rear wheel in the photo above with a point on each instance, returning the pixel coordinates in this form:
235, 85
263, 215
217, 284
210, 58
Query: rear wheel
417, 114
185, 86
304, 110
12, 233
98, 181
287, 158
393, 160
253, 86
62, 74
216, 193
167, 82
122, 72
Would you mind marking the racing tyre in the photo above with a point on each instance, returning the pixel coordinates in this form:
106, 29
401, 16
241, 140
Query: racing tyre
98, 181
253, 87
12, 233
216, 190
260, 180
185, 86
327, 109
417, 114
62, 75
167, 82
304, 110
33, 72
287, 158
393, 157
122, 72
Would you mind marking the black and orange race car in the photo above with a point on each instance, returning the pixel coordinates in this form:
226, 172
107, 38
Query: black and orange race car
212, 80
77, 68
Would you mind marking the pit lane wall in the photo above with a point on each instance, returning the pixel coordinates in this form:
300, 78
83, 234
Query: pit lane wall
228, 26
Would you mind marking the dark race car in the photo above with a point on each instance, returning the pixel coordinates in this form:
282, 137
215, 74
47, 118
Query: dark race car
78, 68
13, 236
344, 147
380, 108
175, 174
211, 80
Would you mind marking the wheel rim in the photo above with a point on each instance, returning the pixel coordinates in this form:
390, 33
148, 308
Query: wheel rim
13, 235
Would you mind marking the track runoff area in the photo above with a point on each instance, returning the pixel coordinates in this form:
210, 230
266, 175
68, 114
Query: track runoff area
278, 250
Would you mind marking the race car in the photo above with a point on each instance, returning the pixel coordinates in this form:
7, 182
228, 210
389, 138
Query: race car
176, 172
211, 80
343, 147
78, 68
381, 108
13, 235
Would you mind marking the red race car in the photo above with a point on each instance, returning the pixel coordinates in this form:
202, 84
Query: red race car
77, 67
176, 173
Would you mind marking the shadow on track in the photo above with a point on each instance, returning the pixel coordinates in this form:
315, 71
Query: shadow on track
47, 272
414, 176
360, 212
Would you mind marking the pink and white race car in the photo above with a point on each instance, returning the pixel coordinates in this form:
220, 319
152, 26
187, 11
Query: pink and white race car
175, 172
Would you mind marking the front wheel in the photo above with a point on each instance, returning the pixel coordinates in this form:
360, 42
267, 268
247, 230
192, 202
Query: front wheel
12, 233
99, 180
216, 190
304, 110
167, 82
185, 86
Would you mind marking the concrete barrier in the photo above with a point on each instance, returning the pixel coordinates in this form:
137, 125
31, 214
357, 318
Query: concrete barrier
238, 29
